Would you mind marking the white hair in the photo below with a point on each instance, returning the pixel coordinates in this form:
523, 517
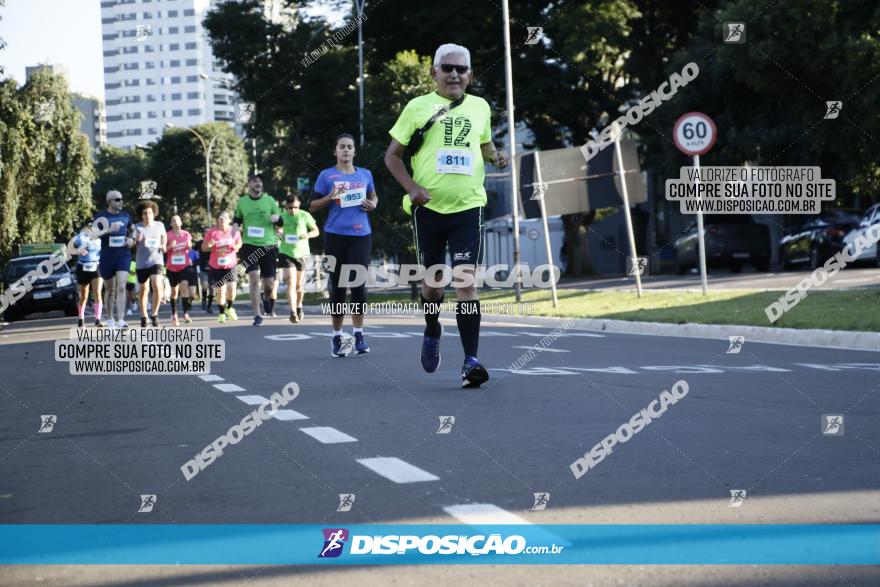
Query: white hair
113, 194
450, 48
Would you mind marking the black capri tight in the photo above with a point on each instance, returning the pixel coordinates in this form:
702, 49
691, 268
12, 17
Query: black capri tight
347, 250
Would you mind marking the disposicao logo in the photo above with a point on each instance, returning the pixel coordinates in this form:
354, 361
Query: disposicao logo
334, 540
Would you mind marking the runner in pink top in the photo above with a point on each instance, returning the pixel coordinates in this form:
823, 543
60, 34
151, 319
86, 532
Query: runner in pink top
179, 269
223, 243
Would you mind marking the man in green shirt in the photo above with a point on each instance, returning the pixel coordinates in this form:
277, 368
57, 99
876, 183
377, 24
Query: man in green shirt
446, 196
256, 216
299, 227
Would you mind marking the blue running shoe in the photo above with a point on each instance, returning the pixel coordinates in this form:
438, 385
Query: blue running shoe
258, 320
360, 345
340, 346
431, 351
473, 374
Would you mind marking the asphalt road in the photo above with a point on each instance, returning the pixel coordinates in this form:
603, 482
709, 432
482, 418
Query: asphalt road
368, 426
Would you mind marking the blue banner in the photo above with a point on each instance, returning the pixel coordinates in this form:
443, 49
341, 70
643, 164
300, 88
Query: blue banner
440, 544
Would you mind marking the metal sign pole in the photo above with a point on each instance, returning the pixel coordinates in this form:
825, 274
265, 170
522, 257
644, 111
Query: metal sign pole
700, 237
511, 133
546, 229
628, 216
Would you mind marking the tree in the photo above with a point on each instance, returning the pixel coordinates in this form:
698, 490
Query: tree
177, 164
45, 185
121, 170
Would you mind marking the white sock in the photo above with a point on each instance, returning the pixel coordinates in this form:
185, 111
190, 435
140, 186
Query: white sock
337, 333
357, 330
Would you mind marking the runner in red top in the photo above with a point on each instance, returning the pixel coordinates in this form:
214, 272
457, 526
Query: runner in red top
180, 272
223, 243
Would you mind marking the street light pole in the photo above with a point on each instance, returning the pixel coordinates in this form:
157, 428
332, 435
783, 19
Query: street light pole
206, 147
511, 132
360, 18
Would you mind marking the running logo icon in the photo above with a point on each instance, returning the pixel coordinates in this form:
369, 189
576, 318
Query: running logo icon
148, 502
637, 266
737, 496
832, 424
44, 111
47, 423
247, 113
334, 540
539, 190
534, 35
734, 33
446, 423
142, 32
736, 344
833, 108
346, 500
541, 501
147, 189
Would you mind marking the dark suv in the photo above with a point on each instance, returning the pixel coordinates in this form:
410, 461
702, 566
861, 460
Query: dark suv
731, 240
56, 292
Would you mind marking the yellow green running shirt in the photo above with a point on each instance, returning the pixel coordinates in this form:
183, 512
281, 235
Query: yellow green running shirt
450, 163
255, 218
295, 244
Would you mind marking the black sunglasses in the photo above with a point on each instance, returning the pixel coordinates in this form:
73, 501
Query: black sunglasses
448, 67
116, 199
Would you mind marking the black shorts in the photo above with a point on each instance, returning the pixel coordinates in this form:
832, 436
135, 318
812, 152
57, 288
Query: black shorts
221, 276
284, 262
85, 277
461, 231
265, 258
175, 277
143, 275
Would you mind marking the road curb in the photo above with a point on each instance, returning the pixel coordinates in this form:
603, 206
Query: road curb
867, 341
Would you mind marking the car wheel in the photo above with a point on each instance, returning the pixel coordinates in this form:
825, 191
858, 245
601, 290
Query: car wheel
11, 315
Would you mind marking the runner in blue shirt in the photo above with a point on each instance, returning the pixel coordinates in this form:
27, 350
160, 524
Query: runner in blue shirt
350, 194
89, 250
115, 260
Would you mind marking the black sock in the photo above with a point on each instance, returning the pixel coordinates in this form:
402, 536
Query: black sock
270, 305
210, 300
187, 304
174, 305
432, 316
229, 305
467, 315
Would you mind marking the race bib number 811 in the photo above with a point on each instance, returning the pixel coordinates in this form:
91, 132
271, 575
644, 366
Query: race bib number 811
459, 161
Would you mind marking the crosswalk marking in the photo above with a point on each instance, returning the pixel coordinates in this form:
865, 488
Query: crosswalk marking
288, 415
229, 387
328, 435
210, 378
397, 470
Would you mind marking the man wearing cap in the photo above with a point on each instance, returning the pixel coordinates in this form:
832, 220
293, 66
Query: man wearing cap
115, 259
257, 215
448, 134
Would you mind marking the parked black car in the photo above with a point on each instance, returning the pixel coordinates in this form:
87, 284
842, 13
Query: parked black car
818, 239
56, 292
732, 240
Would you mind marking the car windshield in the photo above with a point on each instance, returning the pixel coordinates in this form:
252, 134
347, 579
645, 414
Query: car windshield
18, 270
841, 216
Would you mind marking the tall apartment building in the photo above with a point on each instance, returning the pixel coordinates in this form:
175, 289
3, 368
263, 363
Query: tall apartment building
93, 123
156, 61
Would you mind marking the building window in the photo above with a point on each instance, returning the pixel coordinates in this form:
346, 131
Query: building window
172, 13
189, 29
174, 63
151, 98
173, 30
189, 12
192, 95
151, 82
174, 47
175, 79
148, 15
148, 49
176, 96
177, 113
151, 114
192, 78
190, 46
149, 65
192, 61
194, 112
153, 131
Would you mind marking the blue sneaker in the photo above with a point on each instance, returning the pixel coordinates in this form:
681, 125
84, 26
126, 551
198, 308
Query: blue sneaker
340, 346
360, 345
473, 374
431, 352
258, 320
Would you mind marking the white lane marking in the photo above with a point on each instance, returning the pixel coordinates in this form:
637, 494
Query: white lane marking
229, 387
475, 514
252, 400
288, 336
544, 350
483, 513
210, 378
397, 470
287, 415
328, 435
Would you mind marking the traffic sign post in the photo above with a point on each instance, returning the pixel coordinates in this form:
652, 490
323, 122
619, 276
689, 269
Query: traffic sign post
695, 134
546, 229
629, 223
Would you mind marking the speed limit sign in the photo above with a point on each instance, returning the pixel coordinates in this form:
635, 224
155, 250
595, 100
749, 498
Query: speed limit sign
694, 133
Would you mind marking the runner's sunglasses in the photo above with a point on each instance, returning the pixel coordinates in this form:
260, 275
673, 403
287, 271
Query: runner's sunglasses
448, 67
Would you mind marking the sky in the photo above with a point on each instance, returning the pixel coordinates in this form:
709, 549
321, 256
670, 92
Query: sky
56, 31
